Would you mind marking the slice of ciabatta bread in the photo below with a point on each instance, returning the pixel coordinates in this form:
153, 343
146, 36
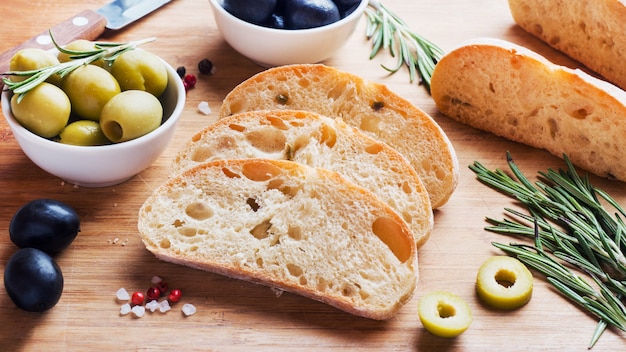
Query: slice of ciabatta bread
372, 107
508, 90
589, 31
292, 227
318, 141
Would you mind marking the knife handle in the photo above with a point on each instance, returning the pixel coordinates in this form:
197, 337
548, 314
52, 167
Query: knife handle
85, 25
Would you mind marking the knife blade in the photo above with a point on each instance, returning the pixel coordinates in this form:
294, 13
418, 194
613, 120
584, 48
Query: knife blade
88, 24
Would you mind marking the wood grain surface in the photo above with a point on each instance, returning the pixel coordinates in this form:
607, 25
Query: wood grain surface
238, 316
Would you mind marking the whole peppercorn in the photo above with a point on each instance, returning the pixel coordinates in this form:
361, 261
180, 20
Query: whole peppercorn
205, 66
181, 70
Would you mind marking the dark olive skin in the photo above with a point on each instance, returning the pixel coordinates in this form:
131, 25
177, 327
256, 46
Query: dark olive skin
45, 224
33, 280
253, 11
302, 14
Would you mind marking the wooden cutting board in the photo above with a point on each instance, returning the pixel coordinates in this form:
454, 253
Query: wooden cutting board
238, 316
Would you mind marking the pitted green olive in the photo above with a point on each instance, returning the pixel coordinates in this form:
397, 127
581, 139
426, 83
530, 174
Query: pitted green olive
140, 70
83, 132
130, 114
32, 59
79, 45
89, 88
44, 110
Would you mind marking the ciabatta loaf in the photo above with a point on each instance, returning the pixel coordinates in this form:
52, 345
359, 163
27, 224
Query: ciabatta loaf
286, 225
590, 31
372, 107
318, 141
506, 89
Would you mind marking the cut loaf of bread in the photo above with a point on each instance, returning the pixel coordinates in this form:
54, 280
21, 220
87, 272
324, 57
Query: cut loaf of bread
292, 227
372, 107
590, 31
318, 141
508, 90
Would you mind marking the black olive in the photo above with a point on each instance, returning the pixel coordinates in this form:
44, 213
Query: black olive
45, 224
302, 14
253, 11
33, 280
346, 3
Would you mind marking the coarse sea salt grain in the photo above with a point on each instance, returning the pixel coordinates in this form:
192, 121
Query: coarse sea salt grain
122, 294
152, 305
138, 311
204, 107
189, 309
164, 306
125, 309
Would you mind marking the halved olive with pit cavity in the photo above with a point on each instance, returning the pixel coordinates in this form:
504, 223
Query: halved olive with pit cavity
444, 314
504, 282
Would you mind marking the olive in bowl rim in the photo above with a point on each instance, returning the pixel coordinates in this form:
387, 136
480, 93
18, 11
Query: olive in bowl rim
105, 165
270, 47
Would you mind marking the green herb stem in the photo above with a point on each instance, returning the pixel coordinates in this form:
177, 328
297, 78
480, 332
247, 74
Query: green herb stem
388, 31
570, 228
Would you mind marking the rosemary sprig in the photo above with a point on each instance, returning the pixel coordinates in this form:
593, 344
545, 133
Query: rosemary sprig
570, 228
105, 51
388, 31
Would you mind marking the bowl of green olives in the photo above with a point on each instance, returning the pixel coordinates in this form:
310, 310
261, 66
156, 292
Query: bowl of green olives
282, 32
127, 134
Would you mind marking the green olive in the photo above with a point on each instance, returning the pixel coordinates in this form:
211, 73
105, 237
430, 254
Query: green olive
44, 110
79, 45
83, 132
130, 114
89, 88
33, 59
141, 70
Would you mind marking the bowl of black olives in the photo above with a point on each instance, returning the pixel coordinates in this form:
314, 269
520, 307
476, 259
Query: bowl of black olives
282, 32
98, 125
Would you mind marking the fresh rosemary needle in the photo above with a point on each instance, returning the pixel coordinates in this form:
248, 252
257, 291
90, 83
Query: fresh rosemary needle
388, 31
570, 228
105, 51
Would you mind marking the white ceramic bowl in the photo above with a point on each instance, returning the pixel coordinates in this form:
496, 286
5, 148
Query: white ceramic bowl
275, 47
101, 166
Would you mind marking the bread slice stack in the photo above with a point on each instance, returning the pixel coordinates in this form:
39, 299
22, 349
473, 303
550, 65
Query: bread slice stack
303, 198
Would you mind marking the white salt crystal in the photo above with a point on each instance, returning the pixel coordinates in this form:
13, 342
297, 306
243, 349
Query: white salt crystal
125, 309
189, 309
122, 294
204, 107
138, 311
152, 305
164, 306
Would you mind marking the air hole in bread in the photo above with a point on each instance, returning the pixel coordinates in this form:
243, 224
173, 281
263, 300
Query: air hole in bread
236, 127
253, 204
406, 188
230, 174
328, 135
259, 262
277, 122
165, 243
304, 83
201, 154
322, 284
178, 223
337, 91
538, 29
390, 232
187, 231
279, 185
295, 232
377, 105
374, 148
260, 171
261, 230
198, 211
294, 270
347, 291
268, 139
580, 113
492, 88
553, 127
370, 123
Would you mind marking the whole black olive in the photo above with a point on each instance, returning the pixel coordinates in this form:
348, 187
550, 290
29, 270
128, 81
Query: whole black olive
302, 14
45, 224
33, 280
253, 11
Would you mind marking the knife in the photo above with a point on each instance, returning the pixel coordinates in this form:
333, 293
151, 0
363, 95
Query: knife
88, 25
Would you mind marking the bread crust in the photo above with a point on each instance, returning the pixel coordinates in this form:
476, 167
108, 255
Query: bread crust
590, 31
508, 90
315, 140
282, 224
370, 106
